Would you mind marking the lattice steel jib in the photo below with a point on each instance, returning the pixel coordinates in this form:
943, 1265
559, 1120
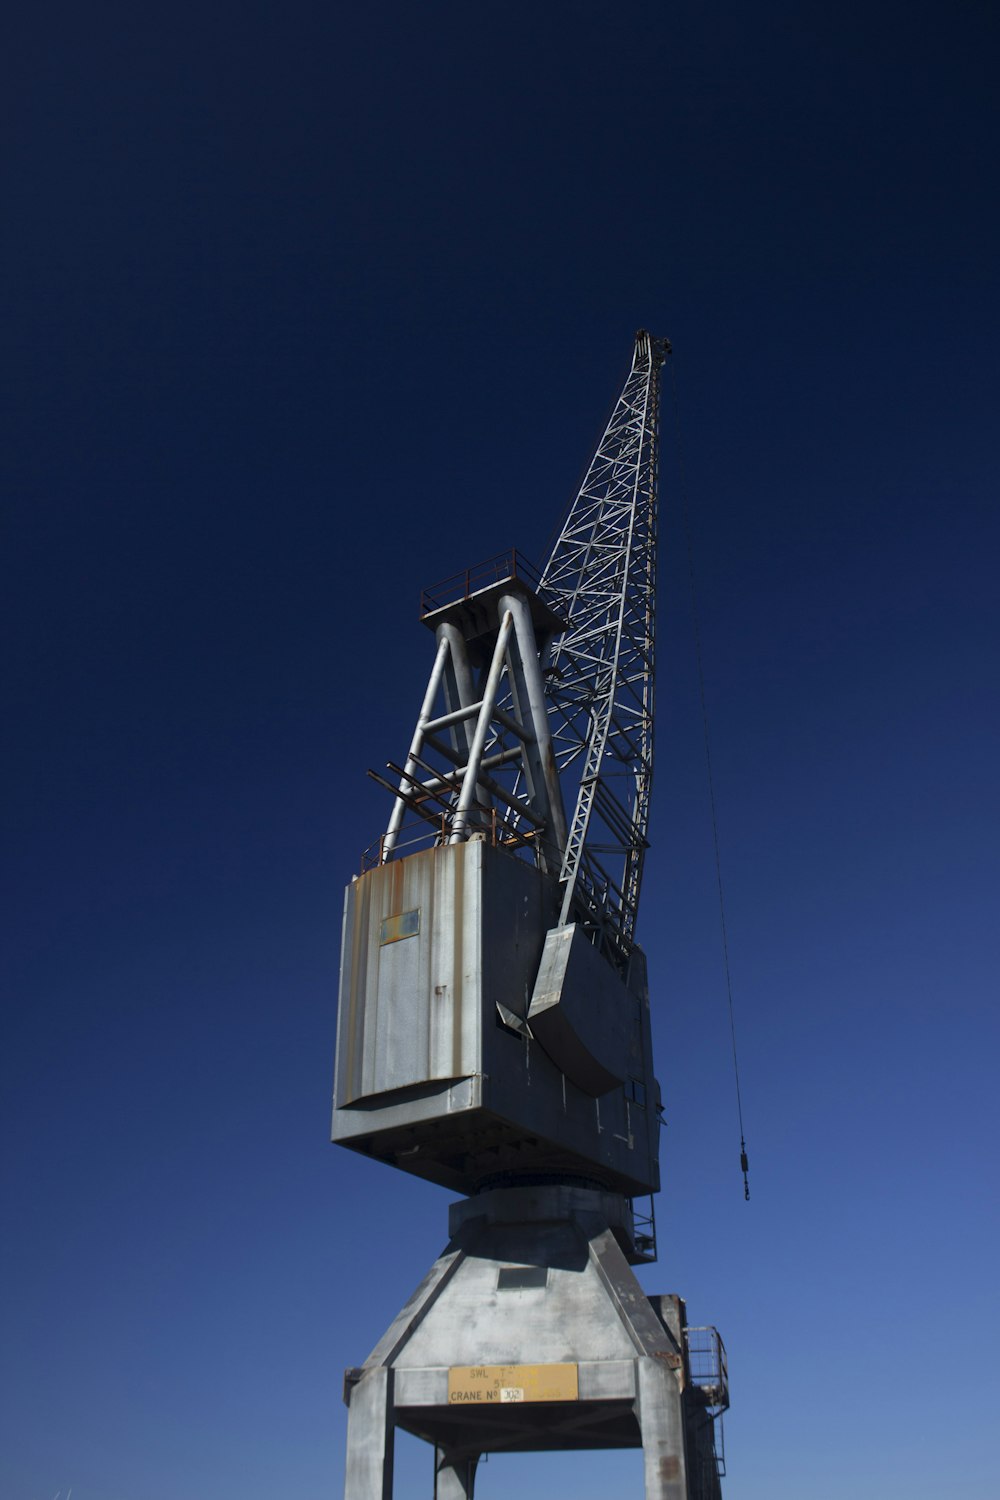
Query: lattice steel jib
601, 576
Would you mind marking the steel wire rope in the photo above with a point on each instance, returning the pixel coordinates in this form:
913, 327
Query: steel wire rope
695, 621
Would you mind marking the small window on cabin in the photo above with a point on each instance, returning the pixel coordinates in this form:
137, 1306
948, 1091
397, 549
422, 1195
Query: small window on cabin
394, 929
636, 1092
517, 1278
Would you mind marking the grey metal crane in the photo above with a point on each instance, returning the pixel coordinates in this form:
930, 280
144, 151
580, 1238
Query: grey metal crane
493, 1028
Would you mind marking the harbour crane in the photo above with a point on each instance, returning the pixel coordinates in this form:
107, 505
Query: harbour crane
493, 1026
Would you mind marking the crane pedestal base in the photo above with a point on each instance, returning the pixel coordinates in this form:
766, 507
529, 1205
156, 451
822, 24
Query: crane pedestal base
530, 1332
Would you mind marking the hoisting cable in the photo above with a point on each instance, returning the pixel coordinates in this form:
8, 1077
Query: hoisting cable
744, 1162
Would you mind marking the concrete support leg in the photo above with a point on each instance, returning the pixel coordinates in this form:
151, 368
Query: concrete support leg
661, 1422
454, 1475
370, 1436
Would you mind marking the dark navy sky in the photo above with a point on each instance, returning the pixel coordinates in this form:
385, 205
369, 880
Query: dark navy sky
303, 309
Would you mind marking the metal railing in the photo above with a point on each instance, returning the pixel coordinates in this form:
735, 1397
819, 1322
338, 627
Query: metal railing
708, 1383
484, 575
707, 1366
644, 1229
432, 829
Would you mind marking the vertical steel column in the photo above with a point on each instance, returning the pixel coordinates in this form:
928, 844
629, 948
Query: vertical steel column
661, 1422
454, 1475
370, 1435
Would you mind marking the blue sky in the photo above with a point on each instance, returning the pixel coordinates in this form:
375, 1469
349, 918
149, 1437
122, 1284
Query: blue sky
304, 311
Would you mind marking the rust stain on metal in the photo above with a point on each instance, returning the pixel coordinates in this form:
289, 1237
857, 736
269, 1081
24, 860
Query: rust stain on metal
398, 875
670, 1467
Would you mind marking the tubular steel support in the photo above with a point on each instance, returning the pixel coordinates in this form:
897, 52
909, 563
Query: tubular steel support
528, 695
459, 689
460, 823
426, 708
494, 724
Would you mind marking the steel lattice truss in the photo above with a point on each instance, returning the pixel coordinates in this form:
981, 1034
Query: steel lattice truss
600, 676
517, 739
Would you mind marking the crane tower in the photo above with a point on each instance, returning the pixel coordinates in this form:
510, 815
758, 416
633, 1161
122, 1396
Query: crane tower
493, 1028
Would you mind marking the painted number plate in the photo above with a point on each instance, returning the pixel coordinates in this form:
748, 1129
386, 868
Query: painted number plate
471, 1384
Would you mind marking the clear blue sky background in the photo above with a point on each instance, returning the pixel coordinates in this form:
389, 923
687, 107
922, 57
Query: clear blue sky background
306, 307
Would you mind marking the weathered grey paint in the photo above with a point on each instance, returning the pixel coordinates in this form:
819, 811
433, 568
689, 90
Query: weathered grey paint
582, 1013
658, 1407
370, 1437
582, 1307
429, 1079
454, 1475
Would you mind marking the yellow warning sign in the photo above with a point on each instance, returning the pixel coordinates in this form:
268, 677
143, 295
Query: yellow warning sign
469, 1385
